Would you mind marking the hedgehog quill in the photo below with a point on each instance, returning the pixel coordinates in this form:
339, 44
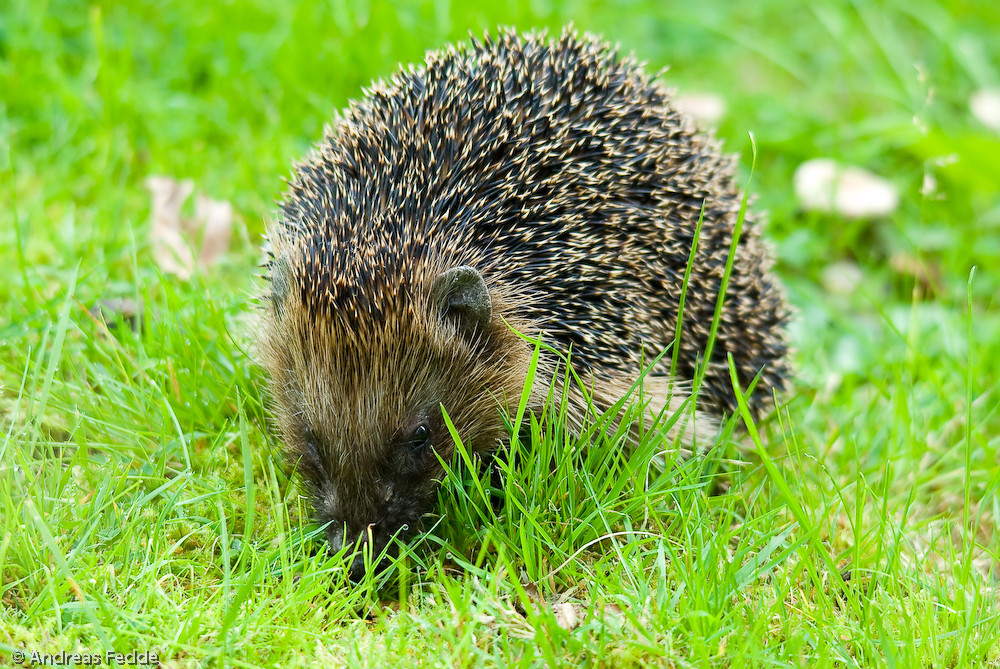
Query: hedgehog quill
517, 184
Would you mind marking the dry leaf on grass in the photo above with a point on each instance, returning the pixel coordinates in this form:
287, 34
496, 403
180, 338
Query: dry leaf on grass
171, 252
568, 615
216, 218
822, 184
172, 236
927, 275
614, 612
533, 593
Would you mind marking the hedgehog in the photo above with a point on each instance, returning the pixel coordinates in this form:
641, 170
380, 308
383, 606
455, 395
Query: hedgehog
511, 190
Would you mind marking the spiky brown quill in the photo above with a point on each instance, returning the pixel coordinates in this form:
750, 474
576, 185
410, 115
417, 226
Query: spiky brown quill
517, 183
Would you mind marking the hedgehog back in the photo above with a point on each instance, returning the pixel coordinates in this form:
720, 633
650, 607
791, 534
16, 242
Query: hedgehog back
561, 172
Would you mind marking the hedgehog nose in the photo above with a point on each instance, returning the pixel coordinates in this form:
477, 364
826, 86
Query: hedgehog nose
357, 546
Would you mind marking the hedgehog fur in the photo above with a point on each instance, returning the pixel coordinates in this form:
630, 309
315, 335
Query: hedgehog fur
511, 185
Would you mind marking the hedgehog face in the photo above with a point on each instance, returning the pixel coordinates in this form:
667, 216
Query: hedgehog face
384, 490
361, 410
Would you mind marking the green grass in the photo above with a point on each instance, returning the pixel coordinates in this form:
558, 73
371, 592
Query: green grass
143, 499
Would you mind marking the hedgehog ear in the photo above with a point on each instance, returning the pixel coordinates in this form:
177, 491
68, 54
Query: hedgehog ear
460, 295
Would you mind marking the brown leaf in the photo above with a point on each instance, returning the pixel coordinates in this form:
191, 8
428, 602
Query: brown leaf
216, 220
568, 615
926, 275
534, 594
173, 237
171, 251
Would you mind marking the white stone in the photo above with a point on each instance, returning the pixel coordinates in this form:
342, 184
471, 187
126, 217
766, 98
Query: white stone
822, 184
985, 106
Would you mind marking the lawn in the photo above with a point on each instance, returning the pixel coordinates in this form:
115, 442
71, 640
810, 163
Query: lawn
144, 502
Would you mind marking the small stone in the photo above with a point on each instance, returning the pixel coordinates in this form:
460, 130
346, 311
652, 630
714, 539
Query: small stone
822, 184
985, 106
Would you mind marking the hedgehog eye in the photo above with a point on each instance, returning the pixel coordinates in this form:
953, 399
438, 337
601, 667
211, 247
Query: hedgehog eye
420, 438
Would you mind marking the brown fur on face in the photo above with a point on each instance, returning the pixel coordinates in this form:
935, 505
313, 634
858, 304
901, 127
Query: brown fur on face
348, 400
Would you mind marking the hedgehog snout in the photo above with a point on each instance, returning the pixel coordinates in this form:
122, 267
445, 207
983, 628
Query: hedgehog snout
356, 529
369, 540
